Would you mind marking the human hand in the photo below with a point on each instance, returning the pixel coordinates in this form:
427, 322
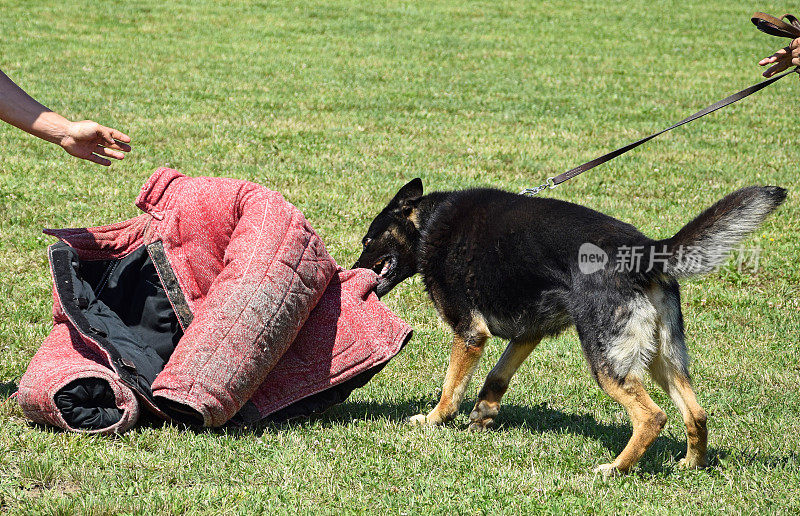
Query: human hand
782, 59
92, 141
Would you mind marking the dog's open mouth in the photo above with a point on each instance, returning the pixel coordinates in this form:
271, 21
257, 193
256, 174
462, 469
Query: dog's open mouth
385, 265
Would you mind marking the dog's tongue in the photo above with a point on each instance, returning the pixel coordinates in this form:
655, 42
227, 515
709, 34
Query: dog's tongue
386, 267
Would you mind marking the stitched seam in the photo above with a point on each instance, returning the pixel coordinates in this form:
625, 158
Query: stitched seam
239, 315
247, 303
260, 337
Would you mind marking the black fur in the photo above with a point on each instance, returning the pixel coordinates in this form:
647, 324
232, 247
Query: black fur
514, 259
496, 263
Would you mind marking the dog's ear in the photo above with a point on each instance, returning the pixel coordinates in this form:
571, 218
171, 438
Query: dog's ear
406, 200
412, 191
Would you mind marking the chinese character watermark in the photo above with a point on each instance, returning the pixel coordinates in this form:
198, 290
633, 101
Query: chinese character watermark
643, 259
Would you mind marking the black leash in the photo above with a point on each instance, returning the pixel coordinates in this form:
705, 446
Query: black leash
764, 23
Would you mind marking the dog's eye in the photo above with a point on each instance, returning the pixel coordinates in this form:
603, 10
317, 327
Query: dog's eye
366, 241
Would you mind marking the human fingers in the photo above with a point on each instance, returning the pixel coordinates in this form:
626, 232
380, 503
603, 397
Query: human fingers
97, 159
780, 54
114, 139
107, 151
124, 147
781, 66
105, 134
117, 135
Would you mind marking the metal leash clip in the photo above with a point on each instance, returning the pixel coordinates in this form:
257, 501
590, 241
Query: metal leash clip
530, 192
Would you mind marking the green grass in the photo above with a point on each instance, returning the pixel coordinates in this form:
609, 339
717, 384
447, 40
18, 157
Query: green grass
336, 104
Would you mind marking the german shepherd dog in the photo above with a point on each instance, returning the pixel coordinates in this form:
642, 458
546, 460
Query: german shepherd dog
502, 264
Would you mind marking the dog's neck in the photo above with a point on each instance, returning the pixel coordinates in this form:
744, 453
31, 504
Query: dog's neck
425, 214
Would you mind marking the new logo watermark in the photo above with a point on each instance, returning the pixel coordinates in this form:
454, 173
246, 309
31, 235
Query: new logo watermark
591, 258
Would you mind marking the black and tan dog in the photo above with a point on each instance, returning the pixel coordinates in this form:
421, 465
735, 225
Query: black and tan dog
521, 268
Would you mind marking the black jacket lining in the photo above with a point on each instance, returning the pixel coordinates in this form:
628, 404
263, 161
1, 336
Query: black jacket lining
122, 305
88, 403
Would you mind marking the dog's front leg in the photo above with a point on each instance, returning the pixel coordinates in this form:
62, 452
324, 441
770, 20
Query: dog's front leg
488, 404
464, 357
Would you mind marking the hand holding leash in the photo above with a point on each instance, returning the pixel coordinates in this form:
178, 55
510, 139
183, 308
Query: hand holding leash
782, 59
787, 56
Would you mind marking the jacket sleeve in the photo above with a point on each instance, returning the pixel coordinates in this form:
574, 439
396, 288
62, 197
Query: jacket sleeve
275, 270
64, 358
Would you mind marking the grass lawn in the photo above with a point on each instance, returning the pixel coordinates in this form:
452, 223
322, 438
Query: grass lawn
336, 104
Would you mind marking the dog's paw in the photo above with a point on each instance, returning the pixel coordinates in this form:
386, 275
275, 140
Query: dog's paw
608, 471
482, 416
480, 422
419, 420
691, 463
481, 426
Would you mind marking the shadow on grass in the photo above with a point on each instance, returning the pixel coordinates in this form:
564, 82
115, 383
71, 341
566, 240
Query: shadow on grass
660, 458
614, 437
7, 389
539, 419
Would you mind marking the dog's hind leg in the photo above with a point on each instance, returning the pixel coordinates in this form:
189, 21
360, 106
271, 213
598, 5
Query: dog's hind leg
464, 357
670, 370
648, 419
619, 344
677, 385
496, 384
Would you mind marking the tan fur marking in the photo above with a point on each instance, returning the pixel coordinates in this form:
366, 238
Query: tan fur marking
399, 236
668, 370
464, 357
648, 419
414, 218
680, 391
695, 419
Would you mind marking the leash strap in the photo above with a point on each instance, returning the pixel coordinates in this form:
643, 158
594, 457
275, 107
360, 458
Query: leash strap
775, 27
765, 23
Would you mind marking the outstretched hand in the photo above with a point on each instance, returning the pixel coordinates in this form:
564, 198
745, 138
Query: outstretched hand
782, 59
94, 142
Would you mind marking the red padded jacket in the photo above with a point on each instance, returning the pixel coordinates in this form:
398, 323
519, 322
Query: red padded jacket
219, 303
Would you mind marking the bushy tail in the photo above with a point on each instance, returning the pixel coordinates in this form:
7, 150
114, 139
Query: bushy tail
704, 243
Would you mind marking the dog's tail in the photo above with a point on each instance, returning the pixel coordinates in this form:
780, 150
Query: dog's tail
704, 243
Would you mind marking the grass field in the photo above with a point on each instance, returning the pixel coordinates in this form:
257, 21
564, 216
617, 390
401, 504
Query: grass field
336, 104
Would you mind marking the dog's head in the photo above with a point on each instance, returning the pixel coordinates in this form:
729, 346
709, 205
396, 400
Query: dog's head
390, 244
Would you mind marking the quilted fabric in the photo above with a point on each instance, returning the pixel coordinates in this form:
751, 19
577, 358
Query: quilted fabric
64, 357
258, 278
348, 333
268, 316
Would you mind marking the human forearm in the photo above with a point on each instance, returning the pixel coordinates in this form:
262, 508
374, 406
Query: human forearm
22, 111
85, 139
